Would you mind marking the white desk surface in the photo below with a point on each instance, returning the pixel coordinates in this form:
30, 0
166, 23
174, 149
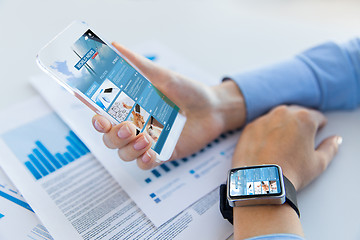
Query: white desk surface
221, 37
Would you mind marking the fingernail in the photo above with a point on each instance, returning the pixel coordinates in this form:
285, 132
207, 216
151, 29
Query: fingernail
98, 126
124, 131
141, 143
146, 157
339, 140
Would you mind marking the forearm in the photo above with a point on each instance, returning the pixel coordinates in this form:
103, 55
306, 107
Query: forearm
326, 77
263, 220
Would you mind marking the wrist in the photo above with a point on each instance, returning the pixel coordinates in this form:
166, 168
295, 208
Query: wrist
230, 105
265, 219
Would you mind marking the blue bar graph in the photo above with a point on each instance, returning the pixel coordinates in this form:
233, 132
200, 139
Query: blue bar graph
38, 165
156, 173
223, 136
174, 163
165, 167
79, 142
48, 154
185, 159
44, 161
61, 159
45, 145
33, 170
73, 152
76, 146
68, 157
162, 169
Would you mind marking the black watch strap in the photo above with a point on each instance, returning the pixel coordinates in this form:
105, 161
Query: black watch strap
227, 211
290, 195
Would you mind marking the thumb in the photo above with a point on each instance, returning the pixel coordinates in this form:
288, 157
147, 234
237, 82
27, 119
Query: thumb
152, 71
326, 151
174, 86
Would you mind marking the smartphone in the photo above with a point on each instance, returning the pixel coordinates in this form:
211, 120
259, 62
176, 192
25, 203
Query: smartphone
97, 74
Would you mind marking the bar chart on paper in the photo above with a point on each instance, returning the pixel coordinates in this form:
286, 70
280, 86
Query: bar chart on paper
169, 178
168, 167
48, 144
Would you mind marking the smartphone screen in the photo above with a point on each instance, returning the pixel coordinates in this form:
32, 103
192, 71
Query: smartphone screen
109, 81
261, 180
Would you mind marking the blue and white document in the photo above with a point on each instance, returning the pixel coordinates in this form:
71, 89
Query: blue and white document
166, 190
72, 193
17, 219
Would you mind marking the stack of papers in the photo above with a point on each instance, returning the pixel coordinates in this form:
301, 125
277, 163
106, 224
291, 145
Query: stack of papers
78, 189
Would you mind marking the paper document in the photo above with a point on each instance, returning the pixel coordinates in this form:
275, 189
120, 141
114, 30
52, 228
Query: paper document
72, 193
17, 219
164, 191
10, 192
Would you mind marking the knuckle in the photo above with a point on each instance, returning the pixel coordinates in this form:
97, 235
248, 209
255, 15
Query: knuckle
321, 161
282, 109
144, 166
107, 141
322, 164
279, 112
125, 156
305, 117
249, 127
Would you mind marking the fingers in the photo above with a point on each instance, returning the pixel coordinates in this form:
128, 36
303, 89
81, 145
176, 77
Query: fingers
101, 124
147, 160
120, 135
318, 118
309, 116
326, 151
130, 147
135, 148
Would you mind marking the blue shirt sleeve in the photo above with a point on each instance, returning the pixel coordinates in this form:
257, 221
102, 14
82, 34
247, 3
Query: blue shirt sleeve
326, 77
278, 237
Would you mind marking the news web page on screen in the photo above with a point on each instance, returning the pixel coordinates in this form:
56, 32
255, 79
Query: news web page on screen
255, 181
119, 89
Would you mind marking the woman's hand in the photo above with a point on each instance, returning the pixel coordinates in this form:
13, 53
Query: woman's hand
286, 137
209, 111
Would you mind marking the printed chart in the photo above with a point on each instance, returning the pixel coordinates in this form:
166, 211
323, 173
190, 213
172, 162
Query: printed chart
55, 145
168, 167
182, 181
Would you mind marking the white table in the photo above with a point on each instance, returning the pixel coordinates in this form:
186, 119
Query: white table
222, 37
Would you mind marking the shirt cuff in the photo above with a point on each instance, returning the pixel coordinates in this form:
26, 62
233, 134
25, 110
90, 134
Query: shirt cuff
288, 82
336, 70
326, 77
282, 236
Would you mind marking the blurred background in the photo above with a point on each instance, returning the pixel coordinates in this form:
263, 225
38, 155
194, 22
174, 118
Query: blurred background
220, 37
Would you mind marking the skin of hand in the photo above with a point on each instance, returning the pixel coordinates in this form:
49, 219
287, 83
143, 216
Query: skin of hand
210, 111
286, 137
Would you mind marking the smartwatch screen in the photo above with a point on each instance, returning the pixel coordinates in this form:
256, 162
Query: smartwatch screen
255, 181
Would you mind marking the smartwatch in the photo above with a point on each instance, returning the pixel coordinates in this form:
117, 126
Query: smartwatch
256, 185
